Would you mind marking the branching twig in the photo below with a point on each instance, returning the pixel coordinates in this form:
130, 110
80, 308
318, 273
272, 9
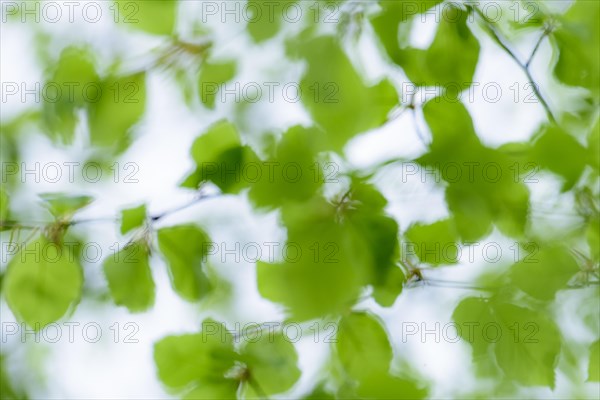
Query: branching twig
157, 217
524, 66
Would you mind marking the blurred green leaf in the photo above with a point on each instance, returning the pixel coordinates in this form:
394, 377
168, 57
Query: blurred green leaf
386, 293
198, 362
129, 277
530, 353
332, 250
555, 264
336, 97
578, 42
272, 363
205, 365
439, 64
67, 91
481, 186
526, 343
265, 20
386, 22
324, 264
43, 280
212, 77
560, 153
220, 158
7, 389
435, 243
366, 216
292, 173
594, 363
365, 353
156, 16
119, 104
185, 248
132, 218
4, 205
63, 205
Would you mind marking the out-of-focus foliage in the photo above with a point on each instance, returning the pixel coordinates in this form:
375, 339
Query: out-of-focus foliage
132, 218
43, 281
206, 365
185, 262
343, 261
528, 349
365, 354
129, 277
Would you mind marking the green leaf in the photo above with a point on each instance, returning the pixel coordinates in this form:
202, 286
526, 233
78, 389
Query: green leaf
319, 393
66, 91
119, 105
593, 239
214, 389
481, 187
560, 153
132, 218
366, 216
42, 282
185, 248
129, 277
362, 345
594, 146
474, 312
265, 20
292, 173
220, 158
554, 264
7, 389
336, 248
386, 22
439, 64
219, 138
435, 243
155, 17
386, 293
272, 363
205, 365
198, 362
578, 42
594, 363
4, 205
365, 353
324, 263
526, 343
336, 97
64, 206
530, 356
212, 77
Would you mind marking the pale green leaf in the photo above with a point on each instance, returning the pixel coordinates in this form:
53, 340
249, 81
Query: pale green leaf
185, 248
132, 218
272, 364
43, 281
129, 277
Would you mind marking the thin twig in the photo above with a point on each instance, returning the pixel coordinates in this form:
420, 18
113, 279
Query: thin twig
524, 66
38, 225
535, 49
182, 207
20, 225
